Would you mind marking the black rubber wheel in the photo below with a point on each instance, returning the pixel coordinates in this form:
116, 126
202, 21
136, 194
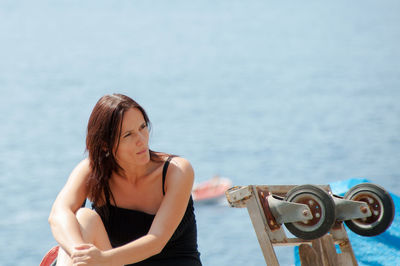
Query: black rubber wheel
379, 202
322, 208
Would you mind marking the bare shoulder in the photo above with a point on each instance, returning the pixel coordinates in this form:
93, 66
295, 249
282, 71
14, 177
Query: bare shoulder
180, 170
84, 165
81, 171
182, 165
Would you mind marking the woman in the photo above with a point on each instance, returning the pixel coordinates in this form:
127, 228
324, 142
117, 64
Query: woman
142, 207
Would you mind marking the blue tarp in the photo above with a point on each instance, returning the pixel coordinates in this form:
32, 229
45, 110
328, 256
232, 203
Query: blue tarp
380, 250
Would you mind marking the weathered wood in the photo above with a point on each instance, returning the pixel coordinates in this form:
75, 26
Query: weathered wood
330, 257
339, 234
237, 196
260, 226
322, 252
308, 256
281, 190
317, 246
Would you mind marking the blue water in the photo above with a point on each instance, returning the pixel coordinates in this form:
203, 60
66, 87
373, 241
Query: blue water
263, 92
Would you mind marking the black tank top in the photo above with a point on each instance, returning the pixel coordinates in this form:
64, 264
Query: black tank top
125, 225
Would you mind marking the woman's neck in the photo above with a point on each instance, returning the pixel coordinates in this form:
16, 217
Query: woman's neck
134, 173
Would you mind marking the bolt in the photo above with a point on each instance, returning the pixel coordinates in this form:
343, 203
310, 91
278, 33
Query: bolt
364, 209
370, 201
305, 213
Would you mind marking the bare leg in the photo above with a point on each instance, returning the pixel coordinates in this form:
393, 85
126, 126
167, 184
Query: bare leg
93, 232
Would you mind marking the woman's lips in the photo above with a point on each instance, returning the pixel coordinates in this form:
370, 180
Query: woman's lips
141, 152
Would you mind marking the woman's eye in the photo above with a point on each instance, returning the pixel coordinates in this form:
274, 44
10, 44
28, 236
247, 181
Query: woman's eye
143, 126
127, 135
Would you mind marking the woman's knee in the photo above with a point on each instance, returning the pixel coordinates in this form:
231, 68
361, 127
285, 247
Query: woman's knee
86, 215
92, 228
89, 222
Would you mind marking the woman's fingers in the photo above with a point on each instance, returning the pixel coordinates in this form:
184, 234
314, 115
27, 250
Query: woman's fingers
83, 246
79, 263
86, 254
81, 250
78, 253
83, 260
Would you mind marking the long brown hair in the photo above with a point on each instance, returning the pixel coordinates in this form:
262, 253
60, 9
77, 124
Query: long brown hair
103, 134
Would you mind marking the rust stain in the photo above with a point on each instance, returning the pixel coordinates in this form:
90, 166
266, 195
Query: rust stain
263, 194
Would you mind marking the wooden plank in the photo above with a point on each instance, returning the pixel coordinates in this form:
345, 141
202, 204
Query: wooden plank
329, 250
237, 196
298, 241
347, 257
308, 256
317, 246
259, 224
281, 190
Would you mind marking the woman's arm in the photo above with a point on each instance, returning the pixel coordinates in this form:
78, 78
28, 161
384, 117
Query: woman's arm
178, 184
62, 219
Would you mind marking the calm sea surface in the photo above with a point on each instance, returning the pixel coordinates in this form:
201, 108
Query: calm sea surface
262, 92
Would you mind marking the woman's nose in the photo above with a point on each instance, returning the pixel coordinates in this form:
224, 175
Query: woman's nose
141, 139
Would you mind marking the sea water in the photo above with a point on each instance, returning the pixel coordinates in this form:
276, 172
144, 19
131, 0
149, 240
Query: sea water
262, 92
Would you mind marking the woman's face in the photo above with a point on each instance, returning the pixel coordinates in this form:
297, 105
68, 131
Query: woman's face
134, 139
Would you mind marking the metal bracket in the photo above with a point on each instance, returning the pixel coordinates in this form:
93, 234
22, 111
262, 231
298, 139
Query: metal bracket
350, 209
288, 212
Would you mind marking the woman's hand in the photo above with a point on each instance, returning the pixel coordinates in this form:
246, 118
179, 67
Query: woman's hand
88, 254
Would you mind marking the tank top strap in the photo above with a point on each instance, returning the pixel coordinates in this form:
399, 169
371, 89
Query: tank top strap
164, 173
109, 195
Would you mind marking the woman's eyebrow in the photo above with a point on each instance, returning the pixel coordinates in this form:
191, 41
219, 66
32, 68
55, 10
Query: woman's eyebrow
127, 131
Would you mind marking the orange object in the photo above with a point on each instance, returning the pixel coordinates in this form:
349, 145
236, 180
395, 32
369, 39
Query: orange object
211, 190
50, 256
